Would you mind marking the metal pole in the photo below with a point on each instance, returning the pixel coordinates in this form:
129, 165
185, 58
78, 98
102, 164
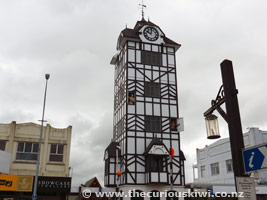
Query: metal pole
171, 172
117, 168
34, 195
233, 116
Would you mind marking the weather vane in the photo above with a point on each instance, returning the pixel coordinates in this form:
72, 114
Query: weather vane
142, 8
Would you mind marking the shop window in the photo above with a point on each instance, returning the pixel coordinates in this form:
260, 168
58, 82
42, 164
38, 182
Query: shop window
27, 151
56, 153
215, 168
229, 165
174, 124
131, 98
2, 145
152, 124
202, 171
152, 89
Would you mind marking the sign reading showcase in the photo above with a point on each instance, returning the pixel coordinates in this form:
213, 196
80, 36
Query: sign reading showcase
54, 184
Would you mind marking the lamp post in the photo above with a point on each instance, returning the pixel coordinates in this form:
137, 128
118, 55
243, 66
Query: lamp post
34, 195
228, 95
118, 172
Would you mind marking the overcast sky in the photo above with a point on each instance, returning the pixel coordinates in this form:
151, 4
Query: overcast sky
74, 41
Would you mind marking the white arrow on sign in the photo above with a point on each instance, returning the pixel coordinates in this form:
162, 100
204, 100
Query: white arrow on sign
263, 150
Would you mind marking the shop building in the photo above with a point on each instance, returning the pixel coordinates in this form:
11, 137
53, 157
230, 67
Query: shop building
21, 142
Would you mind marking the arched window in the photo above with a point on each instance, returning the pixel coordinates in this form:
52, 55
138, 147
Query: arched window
137, 195
172, 195
155, 195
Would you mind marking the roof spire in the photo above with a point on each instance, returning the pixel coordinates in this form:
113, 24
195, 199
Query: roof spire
142, 9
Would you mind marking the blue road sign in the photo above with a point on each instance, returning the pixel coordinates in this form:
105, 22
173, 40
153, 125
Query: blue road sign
34, 196
255, 158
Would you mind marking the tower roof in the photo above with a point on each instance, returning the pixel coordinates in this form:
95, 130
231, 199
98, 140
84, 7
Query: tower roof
111, 149
129, 33
155, 142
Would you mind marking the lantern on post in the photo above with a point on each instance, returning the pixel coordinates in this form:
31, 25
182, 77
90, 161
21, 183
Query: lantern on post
212, 126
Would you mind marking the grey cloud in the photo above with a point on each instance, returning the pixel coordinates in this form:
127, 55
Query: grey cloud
74, 42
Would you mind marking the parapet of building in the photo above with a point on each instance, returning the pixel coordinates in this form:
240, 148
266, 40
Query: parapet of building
21, 141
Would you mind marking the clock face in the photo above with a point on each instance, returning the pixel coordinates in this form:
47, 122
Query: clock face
151, 33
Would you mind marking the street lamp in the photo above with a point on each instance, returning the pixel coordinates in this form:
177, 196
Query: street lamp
228, 95
34, 195
212, 126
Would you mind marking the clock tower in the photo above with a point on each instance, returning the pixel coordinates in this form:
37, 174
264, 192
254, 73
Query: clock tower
146, 122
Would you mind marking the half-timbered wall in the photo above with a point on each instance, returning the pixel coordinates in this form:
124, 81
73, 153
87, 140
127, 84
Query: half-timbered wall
131, 76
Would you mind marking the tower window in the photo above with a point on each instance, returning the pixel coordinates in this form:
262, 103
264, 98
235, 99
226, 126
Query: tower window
120, 127
131, 98
152, 89
152, 124
120, 94
151, 58
174, 124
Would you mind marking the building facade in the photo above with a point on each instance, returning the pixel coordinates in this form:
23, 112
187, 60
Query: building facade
214, 162
146, 114
22, 141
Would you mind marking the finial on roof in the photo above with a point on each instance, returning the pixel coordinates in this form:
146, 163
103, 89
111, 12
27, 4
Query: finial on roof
148, 19
142, 9
126, 26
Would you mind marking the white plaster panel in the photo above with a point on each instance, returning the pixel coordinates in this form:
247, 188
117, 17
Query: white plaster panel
164, 78
171, 60
140, 98
111, 179
157, 109
129, 179
141, 178
155, 75
138, 56
165, 110
140, 108
139, 76
155, 48
173, 111
148, 74
140, 168
131, 145
131, 44
111, 168
175, 147
131, 55
163, 177
154, 177
131, 73
164, 60
149, 108
131, 109
140, 146
131, 167
171, 78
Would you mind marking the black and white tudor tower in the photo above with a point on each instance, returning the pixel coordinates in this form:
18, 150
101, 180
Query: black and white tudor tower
146, 114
